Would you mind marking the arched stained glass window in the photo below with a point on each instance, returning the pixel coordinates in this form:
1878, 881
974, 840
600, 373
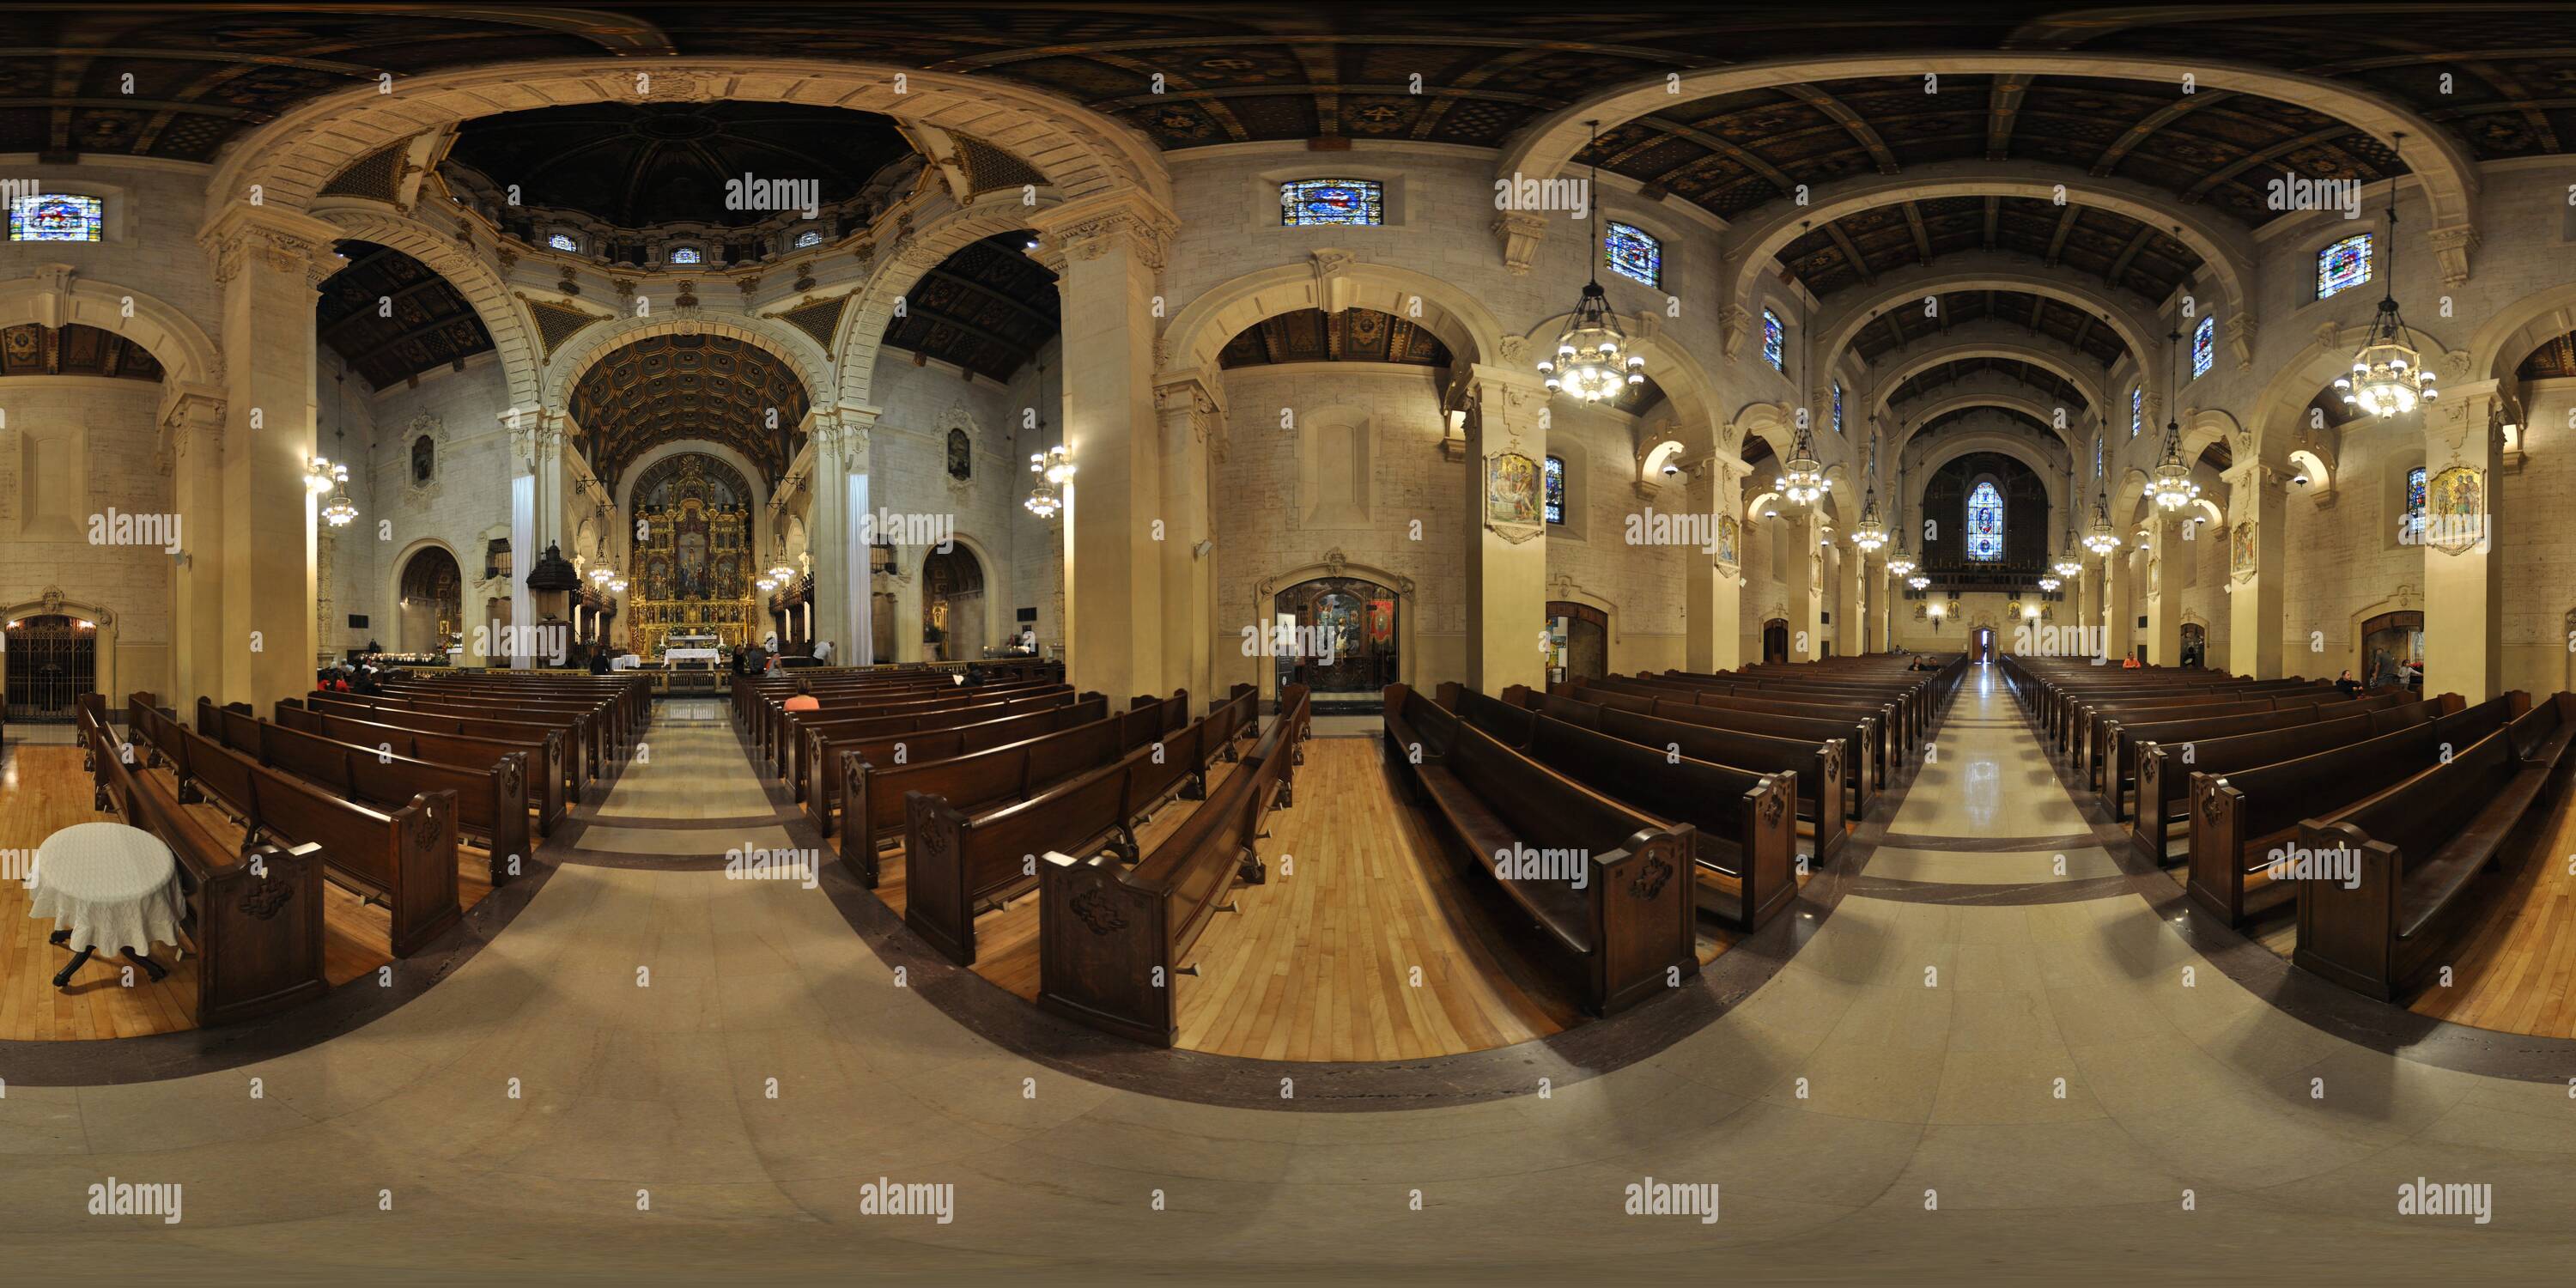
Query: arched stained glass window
809, 237
1771, 341
1631, 251
1838, 406
1555, 489
1315, 202
2204, 346
2415, 503
55, 216
686, 255
1985, 522
2344, 265
2137, 409
564, 241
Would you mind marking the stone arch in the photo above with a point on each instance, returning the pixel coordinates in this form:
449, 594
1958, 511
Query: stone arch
56, 295
104, 673
2440, 162
1334, 280
1080, 152
780, 341
2137, 328
2027, 403
1686, 385
1265, 593
393, 579
513, 339
1987, 342
997, 591
858, 340
2280, 410
1757, 239
621, 536
2051, 476
2498, 347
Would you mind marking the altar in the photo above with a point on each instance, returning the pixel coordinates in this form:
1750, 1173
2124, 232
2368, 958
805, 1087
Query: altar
676, 656
694, 561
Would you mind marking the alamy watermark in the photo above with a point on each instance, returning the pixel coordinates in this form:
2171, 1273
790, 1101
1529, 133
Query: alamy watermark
2421, 1197
1523, 192
747, 863
887, 1197
884, 527
119, 1198
1652, 529
804, 196
114, 527
1521, 863
2298, 192
1651, 1197
2341, 864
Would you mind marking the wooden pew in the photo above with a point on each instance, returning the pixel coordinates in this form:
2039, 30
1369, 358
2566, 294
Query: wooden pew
2416, 849
1112, 940
406, 858
2237, 819
1620, 931
808, 734
254, 920
596, 723
2164, 773
779, 739
492, 801
2118, 765
578, 768
545, 779
1862, 739
956, 865
1744, 830
822, 796
1818, 764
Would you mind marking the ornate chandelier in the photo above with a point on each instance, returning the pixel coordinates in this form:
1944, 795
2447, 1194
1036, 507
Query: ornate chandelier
2068, 565
1803, 478
2388, 375
2050, 584
1918, 581
2171, 484
782, 574
1870, 534
1592, 360
340, 511
1899, 563
1053, 467
2100, 539
617, 585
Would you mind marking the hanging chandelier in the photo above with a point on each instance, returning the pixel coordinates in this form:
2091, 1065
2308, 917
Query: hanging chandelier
1053, 467
1898, 562
340, 511
2388, 375
1870, 533
617, 585
1803, 478
1592, 360
1918, 581
2171, 484
783, 575
2050, 584
2069, 565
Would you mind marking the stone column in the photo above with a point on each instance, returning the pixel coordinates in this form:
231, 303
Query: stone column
1851, 606
2463, 571
1713, 606
268, 263
195, 429
1808, 587
1191, 410
2088, 604
2257, 566
1106, 259
1506, 560
843, 608
2165, 551
909, 612
2118, 582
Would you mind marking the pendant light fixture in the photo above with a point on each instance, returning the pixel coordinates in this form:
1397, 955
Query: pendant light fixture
2069, 565
1054, 467
340, 511
2101, 540
1899, 563
2171, 485
1870, 534
2388, 375
1592, 360
1803, 479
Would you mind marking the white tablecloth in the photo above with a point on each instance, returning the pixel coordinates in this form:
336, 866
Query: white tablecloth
678, 655
111, 885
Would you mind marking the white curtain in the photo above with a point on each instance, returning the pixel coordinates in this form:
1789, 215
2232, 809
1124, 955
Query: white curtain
523, 557
860, 649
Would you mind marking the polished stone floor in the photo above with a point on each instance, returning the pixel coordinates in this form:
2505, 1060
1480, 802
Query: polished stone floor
667, 1075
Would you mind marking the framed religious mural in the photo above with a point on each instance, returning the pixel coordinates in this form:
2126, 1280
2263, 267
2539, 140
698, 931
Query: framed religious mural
1513, 507
961, 455
1730, 535
2455, 507
2240, 551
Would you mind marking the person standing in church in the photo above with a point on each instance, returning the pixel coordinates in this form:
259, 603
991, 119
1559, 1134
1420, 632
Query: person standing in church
822, 652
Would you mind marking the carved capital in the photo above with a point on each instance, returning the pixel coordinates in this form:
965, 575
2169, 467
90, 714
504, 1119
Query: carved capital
1733, 325
1519, 231
2241, 330
2452, 248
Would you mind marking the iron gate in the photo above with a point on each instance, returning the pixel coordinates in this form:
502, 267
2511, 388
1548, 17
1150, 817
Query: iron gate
51, 661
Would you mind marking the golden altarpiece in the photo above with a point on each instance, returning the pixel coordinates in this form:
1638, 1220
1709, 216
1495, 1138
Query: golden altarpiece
693, 562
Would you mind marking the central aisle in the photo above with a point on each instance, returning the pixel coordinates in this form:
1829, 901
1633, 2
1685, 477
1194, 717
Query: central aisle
1986, 806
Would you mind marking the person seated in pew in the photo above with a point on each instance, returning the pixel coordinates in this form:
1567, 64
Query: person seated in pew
599, 661
2129, 664
2350, 686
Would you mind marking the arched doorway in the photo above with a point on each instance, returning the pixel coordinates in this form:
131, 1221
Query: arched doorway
1582, 641
952, 605
2392, 650
1981, 645
52, 660
432, 603
2195, 644
1338, 637
1775, 640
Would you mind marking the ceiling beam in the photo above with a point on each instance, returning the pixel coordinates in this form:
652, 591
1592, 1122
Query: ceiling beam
2003, 106
1037, 316
2120, 267
2157, 120
1850, 252
1860, 130
2065, 225
1994, 207
365, 314
1922, 236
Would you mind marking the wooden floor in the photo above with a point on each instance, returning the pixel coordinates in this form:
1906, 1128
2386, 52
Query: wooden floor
43, 790
1367, 943
2518, 973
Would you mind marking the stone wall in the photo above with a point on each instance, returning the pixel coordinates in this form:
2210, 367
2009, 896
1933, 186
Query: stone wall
75, 453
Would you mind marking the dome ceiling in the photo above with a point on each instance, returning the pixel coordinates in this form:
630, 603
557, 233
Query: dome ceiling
637, 165
1289, 72
392, 319
711, 388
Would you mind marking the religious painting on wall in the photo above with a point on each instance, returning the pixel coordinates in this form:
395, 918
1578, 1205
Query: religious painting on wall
961, 455
424, 459
2240, 554
1513, 508
1730, 533
2456, 509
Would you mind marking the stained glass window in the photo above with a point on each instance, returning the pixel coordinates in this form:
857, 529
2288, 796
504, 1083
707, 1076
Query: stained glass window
809, 237
2204, 347
1631, 251
55, 216
1985, 523
2137, 410
686, 255
2343, 265
2415, 502
1555, 489
564, 241
1771, 341
1838, 406
1309, 202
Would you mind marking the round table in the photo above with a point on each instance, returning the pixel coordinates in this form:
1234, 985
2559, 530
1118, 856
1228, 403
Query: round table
106, 885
